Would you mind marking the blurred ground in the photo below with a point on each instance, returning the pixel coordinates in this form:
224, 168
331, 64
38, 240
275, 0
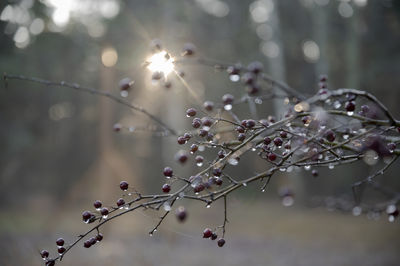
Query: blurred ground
266, 234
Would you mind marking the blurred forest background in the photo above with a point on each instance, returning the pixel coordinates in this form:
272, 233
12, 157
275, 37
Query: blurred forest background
59, 152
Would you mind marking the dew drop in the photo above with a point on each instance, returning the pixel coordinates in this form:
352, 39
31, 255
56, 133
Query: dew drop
202, 148
391, 218
151, 234
350, 113
337, 105
228, 107
356, 211
253, 149
263, 190
126, 207
331, 166
289, 169
282, 169
233, 161
166, 206
258, 101
199, 164
234, 78
287, 201
307, 167
208, 206
245, 184
345, 136
391, 208
105, 216
98, 209
86, 222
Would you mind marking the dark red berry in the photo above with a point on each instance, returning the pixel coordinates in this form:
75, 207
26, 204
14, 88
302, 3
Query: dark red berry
125, 84
314, 173
196, 123
272, 156
157, 75
166, 188
104, 211
181, 140
234, 70
120, 202
203, 133
240, 129
181, 214
241, 137
87, 244
181, 156
99, 237
267, 140
208, 105
92, 240
124, 185
191, 112
188, 49
255, 67
248, 78
97, 204
207, 233
194, 148
271, 119
288, 146
199, 188
207, 121
44, 253
60, 242
221, 154
283, 134
330, 136
227, 99
61, 250
221, 242
350, 106
323, 78
199, 159
250, 123
278, 141
214, 236
217, 172
86, 216
168, 171
117, 127
218, 181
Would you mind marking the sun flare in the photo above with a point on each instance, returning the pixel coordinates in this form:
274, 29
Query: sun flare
161, 62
